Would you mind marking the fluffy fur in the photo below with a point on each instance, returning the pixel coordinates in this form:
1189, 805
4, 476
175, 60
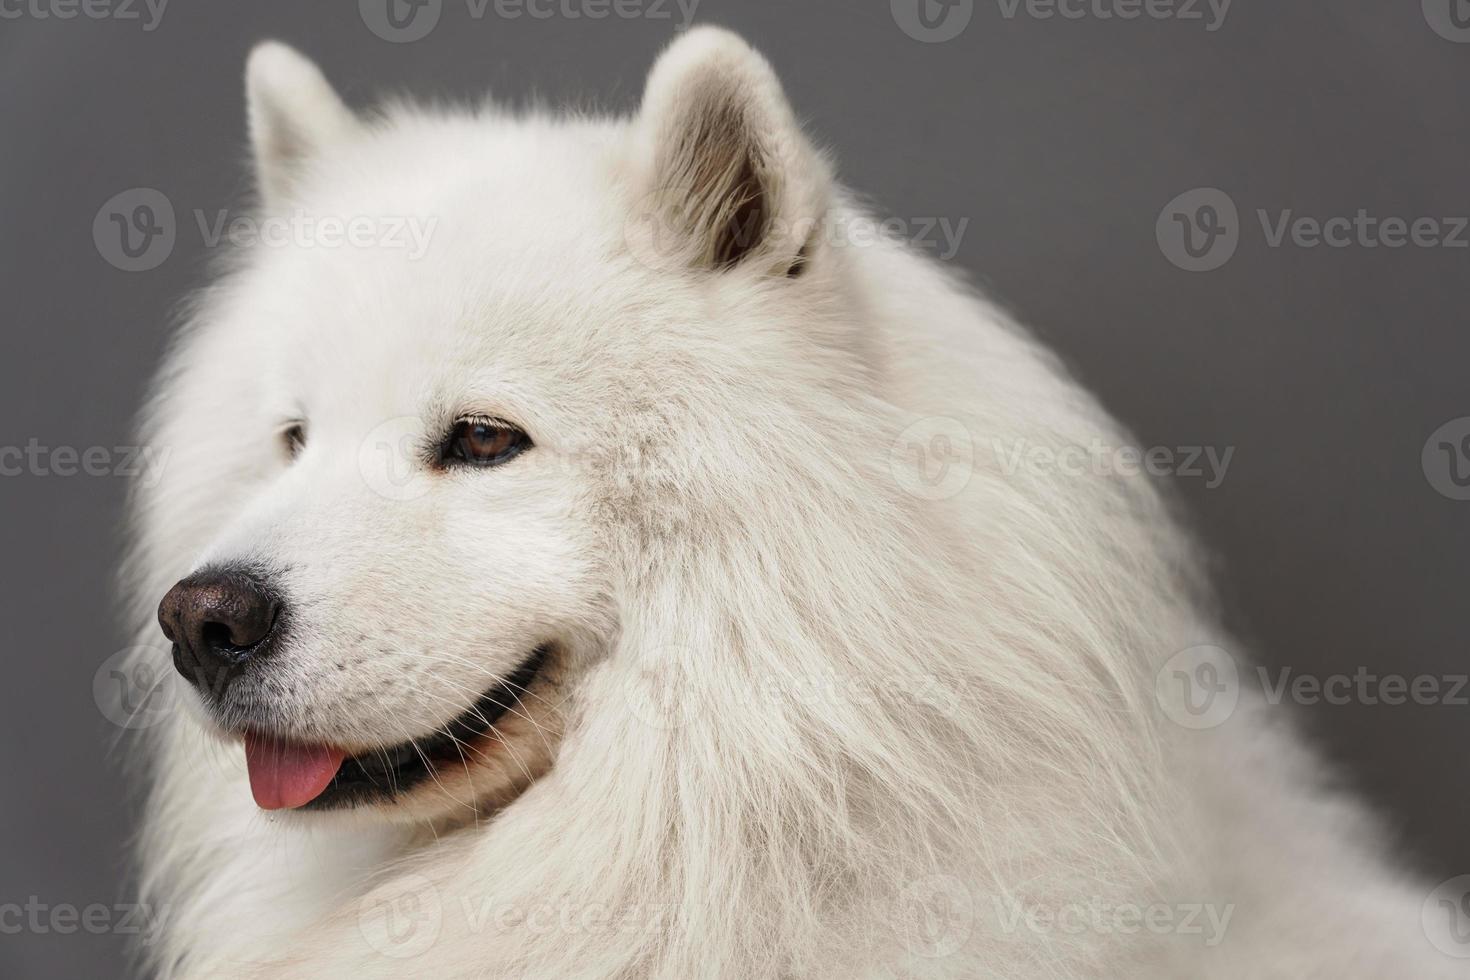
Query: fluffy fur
807, 719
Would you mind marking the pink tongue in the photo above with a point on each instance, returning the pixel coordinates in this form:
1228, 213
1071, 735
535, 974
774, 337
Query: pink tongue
284, 775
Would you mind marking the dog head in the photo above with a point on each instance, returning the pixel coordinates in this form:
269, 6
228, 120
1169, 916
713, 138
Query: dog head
475, 370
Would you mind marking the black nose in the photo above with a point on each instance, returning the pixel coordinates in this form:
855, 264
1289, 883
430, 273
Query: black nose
218, 620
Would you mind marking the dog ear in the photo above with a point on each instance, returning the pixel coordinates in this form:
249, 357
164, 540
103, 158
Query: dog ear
727, 176
293, 112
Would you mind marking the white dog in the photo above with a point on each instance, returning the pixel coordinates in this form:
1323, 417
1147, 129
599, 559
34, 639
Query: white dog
634, 585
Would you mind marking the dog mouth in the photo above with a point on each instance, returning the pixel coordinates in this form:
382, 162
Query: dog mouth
285, 774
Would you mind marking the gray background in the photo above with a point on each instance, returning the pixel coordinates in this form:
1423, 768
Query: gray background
1060, 141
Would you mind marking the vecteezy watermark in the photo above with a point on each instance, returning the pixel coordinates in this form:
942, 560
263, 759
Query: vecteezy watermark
665, 230
933, 458
1207, 463
1199, 230
1210, 13
660, 692
1445, 917
136, 230
936, 21
1450, 19
1206, 920
936, 915
932, 21
390, 459
401, 918
1363, 686
134, 688
940, 237
97, 919
406, 21
1446, 459
1201, 687
567, 918
35, 459
149, 13
664, 694
302, 229
1198, 687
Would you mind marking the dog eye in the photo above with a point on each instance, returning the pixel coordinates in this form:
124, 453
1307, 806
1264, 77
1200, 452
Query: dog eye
293, 437
484, 442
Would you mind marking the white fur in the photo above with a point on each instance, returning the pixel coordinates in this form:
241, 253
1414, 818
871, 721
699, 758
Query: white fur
874, 694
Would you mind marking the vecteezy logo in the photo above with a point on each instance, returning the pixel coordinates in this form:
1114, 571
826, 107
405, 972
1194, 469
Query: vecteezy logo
400, 21
937, 914
1446, 917
660, 694
389, 459
401, 918
135, 230
1446, 459
1199, 687
134, 687
660, 228
1449, 18
932, 21
1199, 230
933, 459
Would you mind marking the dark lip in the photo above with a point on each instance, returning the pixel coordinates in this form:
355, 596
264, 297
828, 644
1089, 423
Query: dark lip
382, 775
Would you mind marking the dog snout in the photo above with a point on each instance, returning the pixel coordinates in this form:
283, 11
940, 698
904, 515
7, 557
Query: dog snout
219, 620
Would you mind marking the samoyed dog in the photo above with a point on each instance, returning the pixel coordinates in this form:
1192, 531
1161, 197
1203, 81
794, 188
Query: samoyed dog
632, 583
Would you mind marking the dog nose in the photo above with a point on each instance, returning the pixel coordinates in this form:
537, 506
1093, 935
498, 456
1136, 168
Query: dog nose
218, 621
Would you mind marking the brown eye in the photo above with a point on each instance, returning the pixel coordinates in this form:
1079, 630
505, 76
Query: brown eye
294, 438
484, 442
